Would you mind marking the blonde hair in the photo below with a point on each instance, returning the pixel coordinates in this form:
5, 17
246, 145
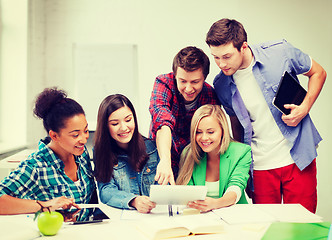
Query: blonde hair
192, 153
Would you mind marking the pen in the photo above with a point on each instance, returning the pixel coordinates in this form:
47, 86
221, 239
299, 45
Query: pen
170, 211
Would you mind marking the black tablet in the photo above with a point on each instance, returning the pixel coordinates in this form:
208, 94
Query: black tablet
83, 215
289, 91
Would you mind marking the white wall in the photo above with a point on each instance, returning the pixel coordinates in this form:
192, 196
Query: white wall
36, 67
160, 29
13, 62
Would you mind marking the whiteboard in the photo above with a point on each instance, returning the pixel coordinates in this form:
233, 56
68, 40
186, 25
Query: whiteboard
101, 70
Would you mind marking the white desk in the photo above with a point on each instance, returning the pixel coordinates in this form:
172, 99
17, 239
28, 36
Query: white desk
119, 229
14, 227
8, 164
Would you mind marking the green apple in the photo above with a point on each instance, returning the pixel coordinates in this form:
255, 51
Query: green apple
49, 223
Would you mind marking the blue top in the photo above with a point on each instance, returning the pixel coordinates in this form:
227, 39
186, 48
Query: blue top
126, 183
42, 177
271, 60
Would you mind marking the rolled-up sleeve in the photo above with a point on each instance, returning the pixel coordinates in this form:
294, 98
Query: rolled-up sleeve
110, 194
301, 62
20, 183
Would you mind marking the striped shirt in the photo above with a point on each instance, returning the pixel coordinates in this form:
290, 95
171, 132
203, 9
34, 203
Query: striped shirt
42, 177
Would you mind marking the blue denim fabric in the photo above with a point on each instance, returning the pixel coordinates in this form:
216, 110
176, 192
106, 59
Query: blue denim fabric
126, 183
272, 59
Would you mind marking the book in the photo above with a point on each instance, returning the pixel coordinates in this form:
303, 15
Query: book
180, 226
329, 237
300, 231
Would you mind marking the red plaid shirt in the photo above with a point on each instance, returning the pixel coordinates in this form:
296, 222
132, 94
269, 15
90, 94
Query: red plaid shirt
167, 108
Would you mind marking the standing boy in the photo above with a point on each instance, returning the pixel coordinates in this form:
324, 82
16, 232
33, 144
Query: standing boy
283, 146
175, 98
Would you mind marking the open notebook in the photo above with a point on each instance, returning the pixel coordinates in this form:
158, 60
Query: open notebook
180, 226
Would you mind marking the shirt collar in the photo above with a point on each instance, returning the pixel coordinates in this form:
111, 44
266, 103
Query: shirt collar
49, 156
256, 55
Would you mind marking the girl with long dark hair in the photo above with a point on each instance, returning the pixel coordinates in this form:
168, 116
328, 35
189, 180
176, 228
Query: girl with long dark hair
125, 161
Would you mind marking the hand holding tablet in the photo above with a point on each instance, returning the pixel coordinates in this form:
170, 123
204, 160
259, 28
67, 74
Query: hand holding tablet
176, 194
83, 215
289, 91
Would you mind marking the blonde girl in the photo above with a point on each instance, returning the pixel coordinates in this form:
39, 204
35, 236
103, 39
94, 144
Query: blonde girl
214, 159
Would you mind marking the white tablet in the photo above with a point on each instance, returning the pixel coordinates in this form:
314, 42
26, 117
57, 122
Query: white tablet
176, 194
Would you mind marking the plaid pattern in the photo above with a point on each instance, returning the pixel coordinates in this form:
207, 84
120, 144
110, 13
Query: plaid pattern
167, 108
42, 177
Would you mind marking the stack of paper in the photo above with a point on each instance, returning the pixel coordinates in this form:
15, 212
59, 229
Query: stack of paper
290, 213
243, 213
260, 213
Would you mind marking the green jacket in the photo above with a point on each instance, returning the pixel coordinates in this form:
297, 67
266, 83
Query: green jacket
234, 169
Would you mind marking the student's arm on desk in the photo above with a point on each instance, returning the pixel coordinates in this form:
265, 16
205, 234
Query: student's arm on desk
142, 204
13, 205
164, 173
237, 181
111, 195
208, 204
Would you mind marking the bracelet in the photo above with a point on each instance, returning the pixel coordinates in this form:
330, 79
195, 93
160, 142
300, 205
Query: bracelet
41, 206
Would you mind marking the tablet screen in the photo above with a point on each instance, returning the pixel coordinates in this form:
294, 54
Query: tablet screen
289, 92
176, 194
83, 215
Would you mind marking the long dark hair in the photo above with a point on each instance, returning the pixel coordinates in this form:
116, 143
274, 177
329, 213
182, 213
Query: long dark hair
106, 149
54, 107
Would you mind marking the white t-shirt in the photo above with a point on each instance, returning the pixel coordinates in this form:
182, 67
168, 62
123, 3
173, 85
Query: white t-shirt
213, 190
270, 148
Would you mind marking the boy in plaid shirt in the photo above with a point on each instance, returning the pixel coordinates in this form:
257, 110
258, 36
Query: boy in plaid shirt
174, 99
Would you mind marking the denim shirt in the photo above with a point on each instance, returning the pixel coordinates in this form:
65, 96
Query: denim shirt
272, 59
126, 183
